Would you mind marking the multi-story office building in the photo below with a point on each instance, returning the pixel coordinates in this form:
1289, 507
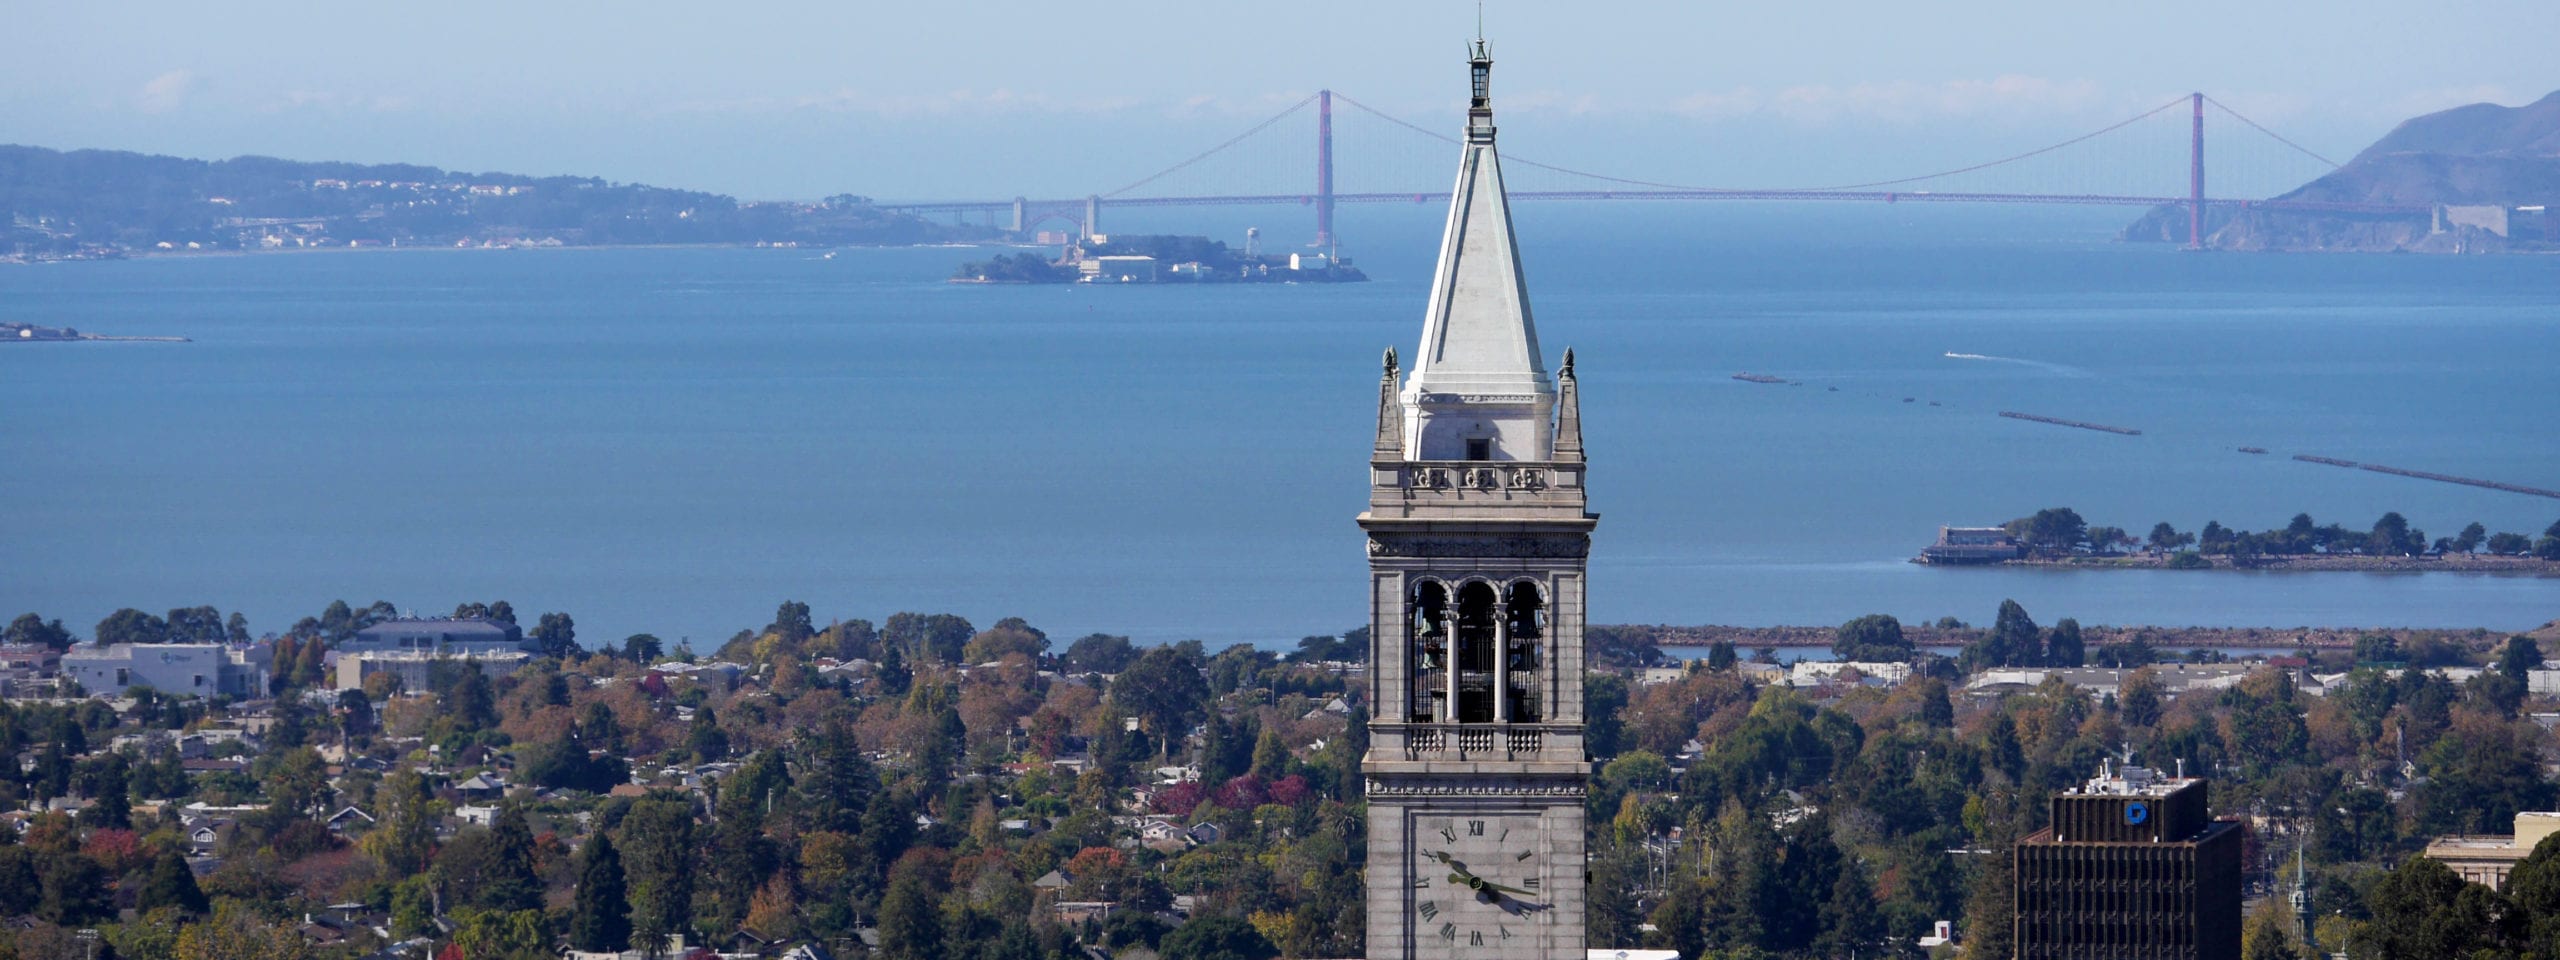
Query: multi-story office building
2132, 866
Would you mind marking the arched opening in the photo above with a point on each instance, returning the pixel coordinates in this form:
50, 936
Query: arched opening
1475, 652
1427, 633
1524, 663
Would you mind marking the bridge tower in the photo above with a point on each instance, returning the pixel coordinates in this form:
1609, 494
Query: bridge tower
1019, 221
1324, 170
2195, 177
1092, 215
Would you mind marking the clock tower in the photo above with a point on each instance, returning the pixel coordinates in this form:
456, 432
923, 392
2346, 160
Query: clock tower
1478, 531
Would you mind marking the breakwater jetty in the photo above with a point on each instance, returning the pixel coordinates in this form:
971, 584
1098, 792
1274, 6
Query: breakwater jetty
2077, 424
2425, 475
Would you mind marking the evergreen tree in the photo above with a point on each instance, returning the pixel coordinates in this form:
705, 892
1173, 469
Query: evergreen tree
113, 806
1271, 756
658, 859
510, 883
2063, 646
910, 923
171, 883
602, 921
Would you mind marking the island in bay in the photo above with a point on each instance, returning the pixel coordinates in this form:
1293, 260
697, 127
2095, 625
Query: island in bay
1160, 259
2059, 536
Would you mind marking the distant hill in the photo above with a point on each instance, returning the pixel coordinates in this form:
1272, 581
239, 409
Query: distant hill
103, 202
2479, 156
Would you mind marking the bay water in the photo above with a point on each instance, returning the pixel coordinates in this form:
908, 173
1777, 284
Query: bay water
676, 440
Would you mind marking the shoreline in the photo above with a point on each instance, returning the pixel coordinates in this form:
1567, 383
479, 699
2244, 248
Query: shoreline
2094, 636
2472, 564
141, 255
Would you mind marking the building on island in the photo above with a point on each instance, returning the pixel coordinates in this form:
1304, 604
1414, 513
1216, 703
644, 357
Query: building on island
1478, 531
1117, 268
2487, 859
2133, 866
183, 669
1973, 545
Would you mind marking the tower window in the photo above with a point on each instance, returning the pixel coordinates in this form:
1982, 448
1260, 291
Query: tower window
1480, 449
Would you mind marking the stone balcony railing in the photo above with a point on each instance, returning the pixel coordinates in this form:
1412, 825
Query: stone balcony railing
1398, 487
1484, 741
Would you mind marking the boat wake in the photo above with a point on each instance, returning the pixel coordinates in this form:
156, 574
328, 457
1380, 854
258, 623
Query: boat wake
2054, 368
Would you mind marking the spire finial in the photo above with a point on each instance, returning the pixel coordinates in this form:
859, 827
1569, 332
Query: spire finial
1391, 361
1566, 371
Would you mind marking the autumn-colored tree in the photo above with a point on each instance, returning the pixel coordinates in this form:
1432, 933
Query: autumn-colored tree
236, 932
773, 913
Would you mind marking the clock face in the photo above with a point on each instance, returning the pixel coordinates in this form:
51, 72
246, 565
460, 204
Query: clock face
1478, 882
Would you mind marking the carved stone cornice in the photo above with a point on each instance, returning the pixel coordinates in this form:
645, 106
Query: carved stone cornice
1399, 787
1567, 547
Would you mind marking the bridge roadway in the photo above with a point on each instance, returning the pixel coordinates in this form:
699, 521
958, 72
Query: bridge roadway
1874, 196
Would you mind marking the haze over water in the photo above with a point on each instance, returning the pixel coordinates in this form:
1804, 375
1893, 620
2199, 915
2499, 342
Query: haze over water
676, 440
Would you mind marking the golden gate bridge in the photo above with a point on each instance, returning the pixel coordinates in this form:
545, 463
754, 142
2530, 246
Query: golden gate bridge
1154, 190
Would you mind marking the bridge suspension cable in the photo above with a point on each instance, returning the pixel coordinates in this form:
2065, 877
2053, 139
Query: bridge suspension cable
2127, 122
2277, 137
1213, 151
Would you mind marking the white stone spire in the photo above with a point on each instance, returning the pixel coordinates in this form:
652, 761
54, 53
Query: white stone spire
1478, 375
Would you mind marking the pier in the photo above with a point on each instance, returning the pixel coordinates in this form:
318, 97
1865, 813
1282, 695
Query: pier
2077, 424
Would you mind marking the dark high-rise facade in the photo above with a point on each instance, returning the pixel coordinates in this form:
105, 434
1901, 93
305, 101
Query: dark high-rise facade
2133, 866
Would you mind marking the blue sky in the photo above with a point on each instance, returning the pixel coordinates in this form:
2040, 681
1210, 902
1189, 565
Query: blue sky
801, 99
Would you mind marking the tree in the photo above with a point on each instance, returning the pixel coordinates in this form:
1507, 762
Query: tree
2423, 911
74, 889
113, 803
657, 837
2510, 545
2138, 699
1720, 656
237, 932
472, 704
404, 834
1874, 638
1100, 653
509, 883
1217, 938
2392, 536
642, 648
132, 626
2012, 642
556, 635
1008, 637
30, 630
910, 924
2165, 538
602, 920
2471, 538
2063, 645
2268, 935
791, 625
1164, 690
2054, 531
298, 783
171, 884
196, 625
934, 638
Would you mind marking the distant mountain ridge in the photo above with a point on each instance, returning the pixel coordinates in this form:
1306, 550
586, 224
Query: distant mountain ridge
105, 202
2481, 155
